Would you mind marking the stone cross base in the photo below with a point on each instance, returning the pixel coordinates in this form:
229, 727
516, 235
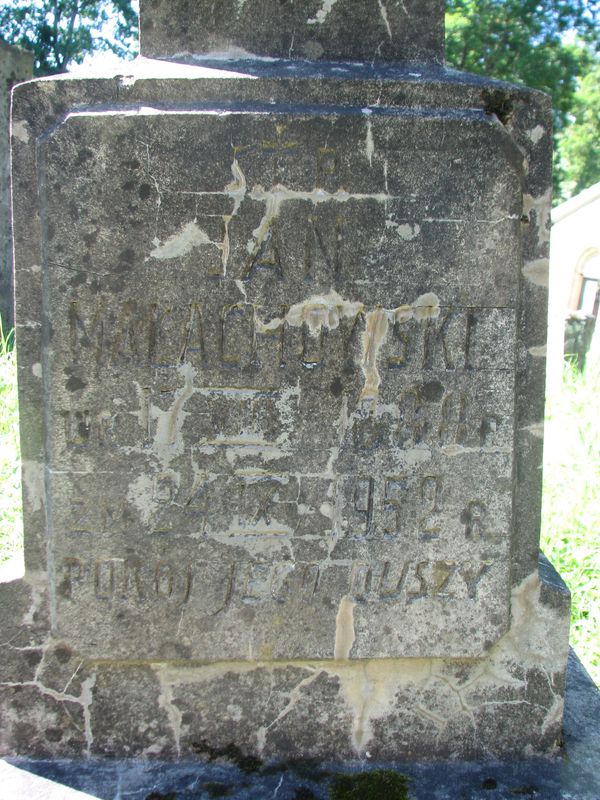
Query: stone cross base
281, 347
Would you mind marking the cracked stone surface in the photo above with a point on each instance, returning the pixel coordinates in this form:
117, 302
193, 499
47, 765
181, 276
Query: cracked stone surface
338, 30
573, 775
280, 331
313, 435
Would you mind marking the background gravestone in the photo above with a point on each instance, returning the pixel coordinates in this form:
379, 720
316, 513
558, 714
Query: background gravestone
281, 329
15, 65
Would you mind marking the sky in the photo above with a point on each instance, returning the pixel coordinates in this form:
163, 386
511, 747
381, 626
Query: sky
102, 61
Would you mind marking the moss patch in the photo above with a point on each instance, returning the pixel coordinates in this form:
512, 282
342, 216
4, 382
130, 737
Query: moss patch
215, 789
231, 753
309, 769
304, 793
374, 785
159, 796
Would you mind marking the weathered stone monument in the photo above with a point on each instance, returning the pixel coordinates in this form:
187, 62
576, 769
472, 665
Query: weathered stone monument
281, 325
15, 65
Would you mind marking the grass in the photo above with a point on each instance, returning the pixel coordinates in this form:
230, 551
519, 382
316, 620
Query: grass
11, 527
571, 514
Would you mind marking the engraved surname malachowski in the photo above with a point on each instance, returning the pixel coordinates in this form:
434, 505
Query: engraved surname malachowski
208, 334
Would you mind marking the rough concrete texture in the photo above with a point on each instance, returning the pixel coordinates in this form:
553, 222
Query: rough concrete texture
279, 334
573, 775
335, 30
15, 65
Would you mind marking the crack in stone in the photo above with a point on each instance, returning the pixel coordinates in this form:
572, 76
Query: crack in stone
555, 713
465, 707
72, 678
438, 720
191, 236
165, 701
295, 696
345, 634
370, 143
87, 699
84, 700
384, 17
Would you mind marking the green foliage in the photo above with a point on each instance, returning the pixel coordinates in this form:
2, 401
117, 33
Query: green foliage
545, 44
374, 785
579, 146
524, 41
62, 32
11, 532
571, 513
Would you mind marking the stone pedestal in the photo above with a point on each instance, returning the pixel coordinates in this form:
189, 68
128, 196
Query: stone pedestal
281, 331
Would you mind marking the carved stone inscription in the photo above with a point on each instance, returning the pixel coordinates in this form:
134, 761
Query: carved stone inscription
280, 358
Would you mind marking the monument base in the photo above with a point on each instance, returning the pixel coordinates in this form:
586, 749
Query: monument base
573, 773
507, 705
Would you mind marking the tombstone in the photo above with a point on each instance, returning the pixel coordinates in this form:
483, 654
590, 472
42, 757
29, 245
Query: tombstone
15, 65
281, 322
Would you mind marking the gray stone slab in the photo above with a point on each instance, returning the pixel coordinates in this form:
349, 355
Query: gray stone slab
573, 775
281, 331
232, 375
336, 30
15, 65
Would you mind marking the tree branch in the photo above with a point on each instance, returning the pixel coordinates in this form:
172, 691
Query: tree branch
69, 35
